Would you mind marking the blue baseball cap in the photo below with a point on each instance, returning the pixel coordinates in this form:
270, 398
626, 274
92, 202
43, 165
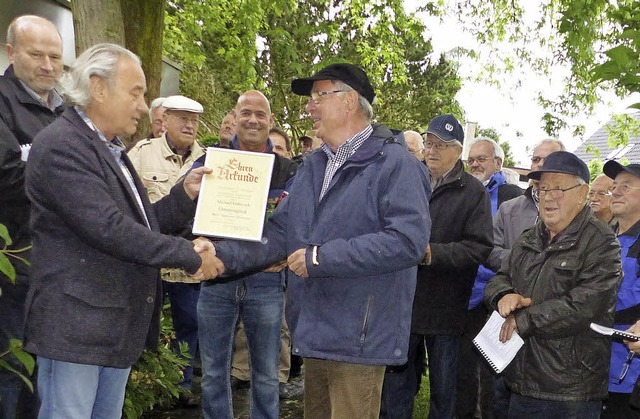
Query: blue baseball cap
447, 128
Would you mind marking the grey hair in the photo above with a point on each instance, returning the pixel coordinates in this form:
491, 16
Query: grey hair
580, 180
497, 150
155, 103
100, 60
552, 141
365, 106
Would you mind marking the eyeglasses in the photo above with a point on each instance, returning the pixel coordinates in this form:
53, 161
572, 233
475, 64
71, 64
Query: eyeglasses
438, 146
185, 120
479, 159
601, 194
317, 96
556, 193
623, 188
625, 367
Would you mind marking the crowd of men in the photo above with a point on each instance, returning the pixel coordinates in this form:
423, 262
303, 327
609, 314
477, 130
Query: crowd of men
381, 250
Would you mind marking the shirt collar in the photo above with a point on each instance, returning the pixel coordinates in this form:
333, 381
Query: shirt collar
351, 145
54, 97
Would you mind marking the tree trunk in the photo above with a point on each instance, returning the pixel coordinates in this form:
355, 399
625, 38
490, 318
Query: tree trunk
97, 21
143, 28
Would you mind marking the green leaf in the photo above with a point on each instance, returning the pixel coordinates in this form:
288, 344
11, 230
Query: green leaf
4, 235
5, 365
7, 268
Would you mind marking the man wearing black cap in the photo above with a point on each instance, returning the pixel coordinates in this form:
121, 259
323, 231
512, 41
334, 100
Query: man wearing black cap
561, 275
461, 239
358, 227
624, 368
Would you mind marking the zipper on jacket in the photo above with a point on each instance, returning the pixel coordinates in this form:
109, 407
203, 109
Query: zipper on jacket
363, 333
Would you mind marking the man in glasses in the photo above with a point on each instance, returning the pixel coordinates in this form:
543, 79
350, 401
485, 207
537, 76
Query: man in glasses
624, 368
354, 227
461, 239
561, 275
474, 374
160, 163
600, 199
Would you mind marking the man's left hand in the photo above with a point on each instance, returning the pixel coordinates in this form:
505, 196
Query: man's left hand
193, 181
298, 263
508, 327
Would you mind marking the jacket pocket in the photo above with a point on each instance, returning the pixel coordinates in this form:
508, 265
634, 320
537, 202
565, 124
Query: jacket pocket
365, 320
157, 184
93, 319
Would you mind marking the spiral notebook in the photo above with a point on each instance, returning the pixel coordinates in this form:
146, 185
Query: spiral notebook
497, 354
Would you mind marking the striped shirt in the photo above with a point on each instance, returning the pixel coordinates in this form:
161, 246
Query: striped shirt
116, 148
341, 155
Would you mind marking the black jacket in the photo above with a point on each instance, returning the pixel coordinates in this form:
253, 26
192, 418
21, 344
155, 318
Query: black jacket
572, 282
461, 239
21, 118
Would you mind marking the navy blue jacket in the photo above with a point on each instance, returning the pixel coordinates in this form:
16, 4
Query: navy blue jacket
372, 228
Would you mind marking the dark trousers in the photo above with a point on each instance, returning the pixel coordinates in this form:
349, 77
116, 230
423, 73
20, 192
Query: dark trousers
475, 376
401, 385
527, 407
15, 396
402, 382
184, 312
617, 407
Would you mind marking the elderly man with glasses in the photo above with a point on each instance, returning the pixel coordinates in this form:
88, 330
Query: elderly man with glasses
624, 369
561, 275
461, 239
600, 199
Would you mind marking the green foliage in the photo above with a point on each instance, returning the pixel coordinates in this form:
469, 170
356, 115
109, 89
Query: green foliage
26, 360
598, 40
421, 402
509, 160
595, 169
155, 379
227, 47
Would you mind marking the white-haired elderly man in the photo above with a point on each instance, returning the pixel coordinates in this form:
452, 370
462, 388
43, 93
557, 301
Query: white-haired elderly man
161, 162
95, 295
561, 275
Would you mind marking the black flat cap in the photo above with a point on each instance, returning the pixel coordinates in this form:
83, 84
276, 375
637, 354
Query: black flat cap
562, 162
353, 76
612, 169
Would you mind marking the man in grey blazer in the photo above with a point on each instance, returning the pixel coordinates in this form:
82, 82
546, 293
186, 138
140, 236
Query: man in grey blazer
98, 243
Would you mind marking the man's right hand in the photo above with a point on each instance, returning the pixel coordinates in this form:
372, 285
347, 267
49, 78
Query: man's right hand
211, 266
511, 302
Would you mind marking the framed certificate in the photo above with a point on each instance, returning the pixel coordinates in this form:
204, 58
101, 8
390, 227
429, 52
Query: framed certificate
233, 198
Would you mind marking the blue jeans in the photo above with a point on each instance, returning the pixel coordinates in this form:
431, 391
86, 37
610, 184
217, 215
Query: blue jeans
528, 407
260, 307
184, 304
442, 353
80, 391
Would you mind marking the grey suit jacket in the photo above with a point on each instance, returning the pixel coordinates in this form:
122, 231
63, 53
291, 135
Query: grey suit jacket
95, 292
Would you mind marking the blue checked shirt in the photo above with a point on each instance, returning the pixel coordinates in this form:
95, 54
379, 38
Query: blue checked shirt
116, 148
341, 155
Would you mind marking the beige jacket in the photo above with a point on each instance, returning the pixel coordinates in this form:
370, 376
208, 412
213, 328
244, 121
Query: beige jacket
160, 169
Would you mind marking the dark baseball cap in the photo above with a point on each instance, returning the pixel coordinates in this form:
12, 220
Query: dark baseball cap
447, 128
353, 76
612, 169
562, 162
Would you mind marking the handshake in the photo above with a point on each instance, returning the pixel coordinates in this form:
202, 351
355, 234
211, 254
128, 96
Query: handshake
211, 266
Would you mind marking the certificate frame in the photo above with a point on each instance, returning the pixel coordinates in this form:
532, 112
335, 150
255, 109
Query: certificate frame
233, 198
